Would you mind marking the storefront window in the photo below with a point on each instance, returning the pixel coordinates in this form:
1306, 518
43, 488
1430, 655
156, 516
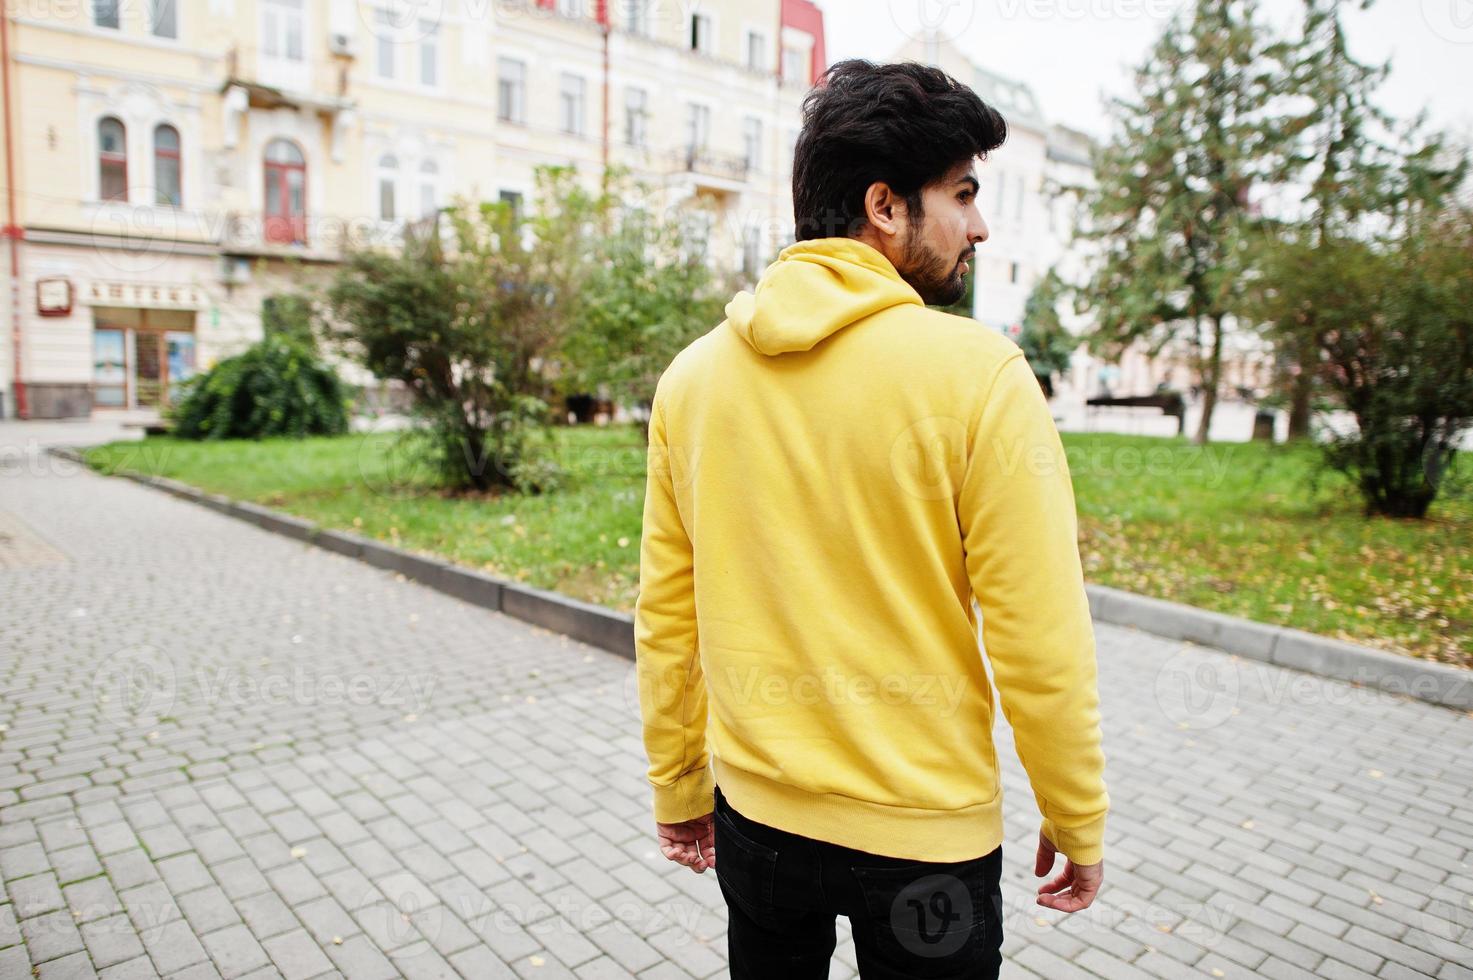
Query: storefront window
110, 368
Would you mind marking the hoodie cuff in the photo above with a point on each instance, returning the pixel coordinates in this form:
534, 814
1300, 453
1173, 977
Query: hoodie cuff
692, 795
1082, 845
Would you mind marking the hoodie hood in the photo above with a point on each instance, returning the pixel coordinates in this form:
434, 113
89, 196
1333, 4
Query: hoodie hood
814, 289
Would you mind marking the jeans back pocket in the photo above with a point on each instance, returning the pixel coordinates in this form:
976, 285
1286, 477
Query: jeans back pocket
932, 916
746, 869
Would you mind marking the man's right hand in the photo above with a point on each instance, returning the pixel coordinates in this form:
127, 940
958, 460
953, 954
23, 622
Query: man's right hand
1075, 888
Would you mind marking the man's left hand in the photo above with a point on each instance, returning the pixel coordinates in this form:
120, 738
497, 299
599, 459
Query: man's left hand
691, 843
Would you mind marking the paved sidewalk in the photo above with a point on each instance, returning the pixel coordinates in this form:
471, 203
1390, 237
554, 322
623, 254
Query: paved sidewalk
227, 754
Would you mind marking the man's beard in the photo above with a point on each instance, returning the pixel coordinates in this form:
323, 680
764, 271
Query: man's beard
937, 278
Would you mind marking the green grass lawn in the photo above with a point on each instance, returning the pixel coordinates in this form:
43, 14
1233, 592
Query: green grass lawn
1239, 528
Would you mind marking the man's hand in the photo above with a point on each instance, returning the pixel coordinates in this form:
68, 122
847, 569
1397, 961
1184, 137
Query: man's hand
1081, 881
691, 843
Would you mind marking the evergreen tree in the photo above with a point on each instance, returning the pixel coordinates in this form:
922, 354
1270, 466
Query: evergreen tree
1170, 212
1046, 342
1343, 162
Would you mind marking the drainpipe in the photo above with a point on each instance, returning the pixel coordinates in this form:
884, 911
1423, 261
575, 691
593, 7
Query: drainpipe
602, 12
12, 231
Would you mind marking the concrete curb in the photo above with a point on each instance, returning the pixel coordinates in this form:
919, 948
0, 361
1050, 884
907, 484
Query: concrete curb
1307, 652
1295, 649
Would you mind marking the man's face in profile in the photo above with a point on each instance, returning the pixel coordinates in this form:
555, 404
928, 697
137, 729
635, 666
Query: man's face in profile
937, 248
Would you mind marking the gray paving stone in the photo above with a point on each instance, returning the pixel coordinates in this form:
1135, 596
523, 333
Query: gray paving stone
297, 956
476, 829
234, 951
111, 941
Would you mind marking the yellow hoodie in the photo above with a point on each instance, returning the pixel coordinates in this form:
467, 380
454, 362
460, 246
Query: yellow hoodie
834, 472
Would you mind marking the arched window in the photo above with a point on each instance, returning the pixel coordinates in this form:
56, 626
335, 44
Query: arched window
168, 175
112, 160
388, 178
429, 188
286, 193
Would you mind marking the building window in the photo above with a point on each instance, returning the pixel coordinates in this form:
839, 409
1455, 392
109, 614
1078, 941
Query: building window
637, 13
751, 252
570, 102
163, 18
793, 68
429, 188
513, 200
701, 33
752, 143
511, 90
167, 172
282, 28
572, 8
791, 150
697, 127
429, 53
285, 193
105, 13
756, 51
1013, 273
385, 42
1022, 193
636, 103
1002, 185
388, 176
112, 160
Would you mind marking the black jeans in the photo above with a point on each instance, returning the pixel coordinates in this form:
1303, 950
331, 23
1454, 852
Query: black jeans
909, 918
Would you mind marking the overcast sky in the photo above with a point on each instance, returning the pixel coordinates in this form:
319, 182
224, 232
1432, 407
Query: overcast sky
1072, 51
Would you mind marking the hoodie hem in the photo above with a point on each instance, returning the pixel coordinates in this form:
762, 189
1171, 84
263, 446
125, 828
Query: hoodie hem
912, 833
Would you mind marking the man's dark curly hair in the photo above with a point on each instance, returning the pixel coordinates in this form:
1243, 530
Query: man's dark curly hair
906, 125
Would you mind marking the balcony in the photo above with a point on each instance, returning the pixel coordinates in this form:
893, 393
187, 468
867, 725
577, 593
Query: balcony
712, 171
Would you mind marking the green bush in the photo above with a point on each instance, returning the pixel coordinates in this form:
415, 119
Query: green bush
275, 388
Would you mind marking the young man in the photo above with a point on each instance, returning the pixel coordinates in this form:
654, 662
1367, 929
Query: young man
834, 473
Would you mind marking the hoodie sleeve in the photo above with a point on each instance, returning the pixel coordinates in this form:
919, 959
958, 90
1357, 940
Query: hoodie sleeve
1017, 517
672, 687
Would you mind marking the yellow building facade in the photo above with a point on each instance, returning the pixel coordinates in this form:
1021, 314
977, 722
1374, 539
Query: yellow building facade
172, 164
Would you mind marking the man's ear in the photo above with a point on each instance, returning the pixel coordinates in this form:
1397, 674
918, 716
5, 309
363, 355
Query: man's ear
883, 208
